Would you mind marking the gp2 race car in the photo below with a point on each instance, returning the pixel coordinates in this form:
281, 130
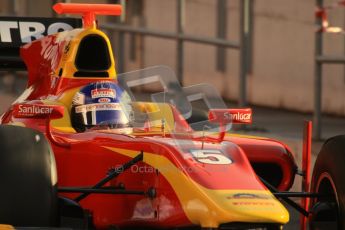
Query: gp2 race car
77, 150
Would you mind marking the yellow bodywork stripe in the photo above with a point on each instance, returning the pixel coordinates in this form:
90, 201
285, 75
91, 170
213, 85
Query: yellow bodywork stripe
208, 207
73, 39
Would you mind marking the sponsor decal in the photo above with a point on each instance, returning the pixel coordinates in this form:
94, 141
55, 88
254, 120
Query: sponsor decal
16, 31
78, 99
253, 203
144, 209
97, 93
239, 117
248, 196
225, 116
32, 110
251, 199
50, 50
97, 107
104, 100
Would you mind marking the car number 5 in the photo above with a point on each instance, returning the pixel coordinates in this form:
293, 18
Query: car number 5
212, 156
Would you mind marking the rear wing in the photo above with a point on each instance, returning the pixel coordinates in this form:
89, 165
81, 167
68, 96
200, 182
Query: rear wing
17, 31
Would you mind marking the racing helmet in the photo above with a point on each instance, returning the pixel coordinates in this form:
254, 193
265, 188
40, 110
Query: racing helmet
101, 105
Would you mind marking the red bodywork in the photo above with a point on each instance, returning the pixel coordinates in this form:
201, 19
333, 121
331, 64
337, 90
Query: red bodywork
87, 157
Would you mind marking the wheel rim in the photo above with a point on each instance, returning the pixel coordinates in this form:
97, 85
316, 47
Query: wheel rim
325, 211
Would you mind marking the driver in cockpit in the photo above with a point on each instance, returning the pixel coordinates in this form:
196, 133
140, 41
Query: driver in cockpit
101, 105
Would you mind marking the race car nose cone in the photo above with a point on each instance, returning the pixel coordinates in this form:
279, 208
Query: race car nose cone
257, 207
246, 206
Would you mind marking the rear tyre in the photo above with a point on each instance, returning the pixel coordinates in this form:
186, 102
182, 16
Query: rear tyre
28, 194
329, 180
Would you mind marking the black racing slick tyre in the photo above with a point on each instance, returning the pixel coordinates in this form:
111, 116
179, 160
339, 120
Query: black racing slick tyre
328, 180
28, 181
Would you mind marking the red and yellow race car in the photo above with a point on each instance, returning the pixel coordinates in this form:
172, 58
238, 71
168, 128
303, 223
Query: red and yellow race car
77, 146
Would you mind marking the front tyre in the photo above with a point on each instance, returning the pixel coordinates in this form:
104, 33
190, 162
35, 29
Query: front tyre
28, 194
328, 180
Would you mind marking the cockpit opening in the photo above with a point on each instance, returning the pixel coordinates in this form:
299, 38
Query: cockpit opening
93, 58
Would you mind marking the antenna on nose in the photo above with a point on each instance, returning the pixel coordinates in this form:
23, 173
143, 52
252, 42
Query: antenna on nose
88, 11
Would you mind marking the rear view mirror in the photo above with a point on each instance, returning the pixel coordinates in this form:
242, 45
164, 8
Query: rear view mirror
226, 116
36, 110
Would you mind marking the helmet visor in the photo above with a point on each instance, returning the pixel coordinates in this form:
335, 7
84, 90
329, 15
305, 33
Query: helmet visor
99, 114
